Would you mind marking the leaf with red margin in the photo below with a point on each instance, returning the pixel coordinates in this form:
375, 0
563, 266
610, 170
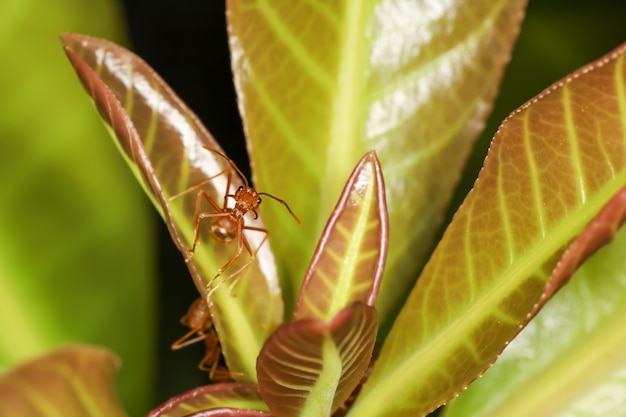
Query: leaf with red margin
162, 141
236, 399
229, 412
573, 354
598, 233
321, 83
348, 263
309, 367
72, 381
551, 168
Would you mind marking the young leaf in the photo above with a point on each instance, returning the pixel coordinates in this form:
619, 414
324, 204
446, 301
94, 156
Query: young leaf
309, 367
73, 381
319, 84
570, 359
163, 142
242, 396
312, 364
349, 261
551, 167
229, 412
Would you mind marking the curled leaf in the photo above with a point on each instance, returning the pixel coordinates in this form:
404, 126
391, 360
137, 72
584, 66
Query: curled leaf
73, 381
164, 144
224, 399
320, 84
551, 168
309, 367
571, 359
598, 233
229, 412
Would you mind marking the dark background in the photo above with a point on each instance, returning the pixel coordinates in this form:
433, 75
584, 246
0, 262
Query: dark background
186, 42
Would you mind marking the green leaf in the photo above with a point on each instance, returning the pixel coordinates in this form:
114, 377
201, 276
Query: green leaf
349, 261
319, 84
229, 412
76, 241
242, 396
309, 367
552, 166
164, 144
73, 381
571, 359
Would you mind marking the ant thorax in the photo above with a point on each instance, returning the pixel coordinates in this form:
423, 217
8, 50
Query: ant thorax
228, 221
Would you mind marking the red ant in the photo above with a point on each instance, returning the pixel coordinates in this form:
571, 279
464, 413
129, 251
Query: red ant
228, 223
198, 319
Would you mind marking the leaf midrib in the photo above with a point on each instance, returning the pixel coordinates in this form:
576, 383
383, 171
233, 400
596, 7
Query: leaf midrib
438, 345
346, 108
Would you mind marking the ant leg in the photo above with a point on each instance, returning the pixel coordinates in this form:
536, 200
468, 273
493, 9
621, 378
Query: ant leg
252, 253
211, 358
226, 171
241, 243
261, 230
211, 364
219, 212
210, 361
187, 339
197, 319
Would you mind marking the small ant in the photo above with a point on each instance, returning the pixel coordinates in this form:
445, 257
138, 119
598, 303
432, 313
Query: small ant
198, 319
228, 223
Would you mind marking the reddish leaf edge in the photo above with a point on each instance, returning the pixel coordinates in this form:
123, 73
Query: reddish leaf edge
609, 219
121, 123
597, 63
598, 233
196, 392
323, 328
227, 412
369, 157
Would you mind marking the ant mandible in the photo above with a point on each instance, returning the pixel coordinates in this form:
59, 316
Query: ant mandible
228, 223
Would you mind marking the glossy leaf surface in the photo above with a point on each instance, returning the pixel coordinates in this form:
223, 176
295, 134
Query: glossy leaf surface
322, 83
348, 263
229, 412
212, 398
73, 381
76, 234
571, 359
163, 142
552, 166
309, 367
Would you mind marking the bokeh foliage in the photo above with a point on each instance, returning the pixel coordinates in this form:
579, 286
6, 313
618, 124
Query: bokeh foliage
76, 257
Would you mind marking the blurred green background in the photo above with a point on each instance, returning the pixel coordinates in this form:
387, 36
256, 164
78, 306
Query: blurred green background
76, 234
83, 256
